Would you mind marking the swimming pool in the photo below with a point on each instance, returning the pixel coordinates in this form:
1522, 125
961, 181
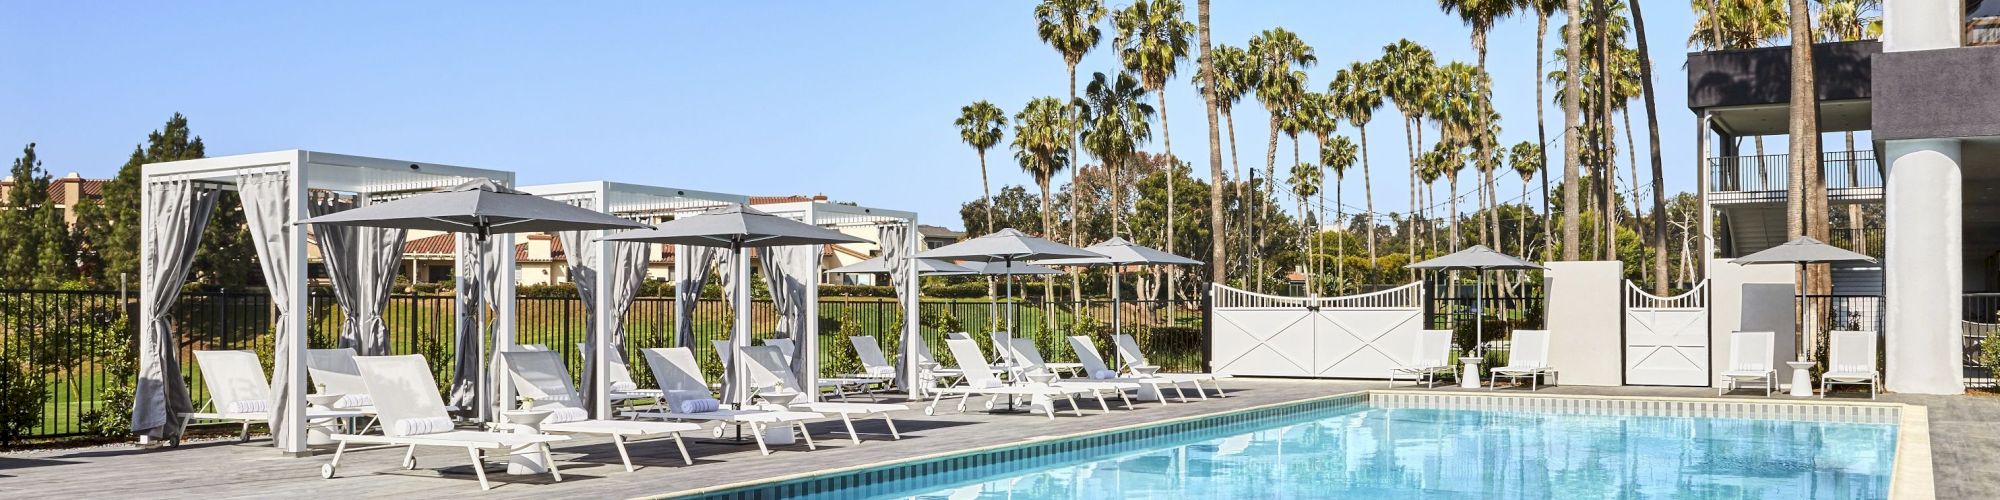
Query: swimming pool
1385, 446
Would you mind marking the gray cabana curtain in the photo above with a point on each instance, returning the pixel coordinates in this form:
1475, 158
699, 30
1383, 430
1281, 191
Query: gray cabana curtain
727, 271
267, 203
362, 264
892, 239
474, 295
628, 268
176, 214
691, 267
789, 272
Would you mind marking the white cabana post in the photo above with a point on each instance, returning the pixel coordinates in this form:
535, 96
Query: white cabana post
285, 180
607, 290
884, 224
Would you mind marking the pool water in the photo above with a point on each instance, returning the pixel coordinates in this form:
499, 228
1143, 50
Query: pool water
1367, 452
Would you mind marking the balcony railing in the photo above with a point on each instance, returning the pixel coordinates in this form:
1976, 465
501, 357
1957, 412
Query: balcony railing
1771, 173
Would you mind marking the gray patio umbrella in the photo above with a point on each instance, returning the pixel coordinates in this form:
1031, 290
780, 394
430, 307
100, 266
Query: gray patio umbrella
1009, 270
480, 207
1802, 251
1119, 252
925, 267
1006, 247
739, 229
1477, 259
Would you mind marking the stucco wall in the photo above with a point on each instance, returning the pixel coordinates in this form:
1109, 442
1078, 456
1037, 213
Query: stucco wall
1751, 298
1583, 322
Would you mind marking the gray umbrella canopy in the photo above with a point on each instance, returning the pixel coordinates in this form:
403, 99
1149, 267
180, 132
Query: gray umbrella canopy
1804, 250
1476, 258
1004, 245
925, 267
1008, 268
736, 225
480, 207
1122, 252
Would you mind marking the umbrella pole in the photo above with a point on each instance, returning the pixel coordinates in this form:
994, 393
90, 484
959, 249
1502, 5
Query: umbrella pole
1478, 321
481, 397
1116, 325
737, 382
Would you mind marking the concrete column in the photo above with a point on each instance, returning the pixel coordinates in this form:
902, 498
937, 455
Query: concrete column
1923, 275
1921, 24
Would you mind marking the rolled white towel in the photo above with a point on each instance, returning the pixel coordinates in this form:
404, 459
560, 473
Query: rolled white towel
703, 405
354, 401
674, 398
883, 371
1104, 374
422, 426
624, 386
566, 414
248, 406
991, 383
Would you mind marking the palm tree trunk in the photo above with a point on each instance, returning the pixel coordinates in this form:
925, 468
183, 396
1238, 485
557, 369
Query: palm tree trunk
1410, 143
1482, 149
1572, 230
1855, 237
1632, 158
1340, 237
1653, 140
1173, 170
1541, 131
1075, 191
1217, 223
986, 192
1521, 233
1270, 183
1368, 194
1803, 131
1610, 184
1454, 210
1236, 167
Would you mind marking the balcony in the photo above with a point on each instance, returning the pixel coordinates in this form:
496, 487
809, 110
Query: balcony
1851, 176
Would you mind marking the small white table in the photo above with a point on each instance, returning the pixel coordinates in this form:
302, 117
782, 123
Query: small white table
780, 434
1468, 376
1801, 378
321, 431
526, 460
1148, 392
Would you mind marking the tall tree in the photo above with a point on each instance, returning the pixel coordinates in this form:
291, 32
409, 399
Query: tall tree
1653, 142
1277, 54
36, 251
981, 125
1115, 123
110, 228
1070, 26
1572, 139
1227, 76
1806, 204
1407, 69
1526, 158
1543, 8
1357, 91
1041, 137
1480, 15
1305, 181
1218, 271
1152, 40
1337, 154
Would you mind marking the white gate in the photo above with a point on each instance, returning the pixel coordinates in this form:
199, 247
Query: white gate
1666, 338
1359, 336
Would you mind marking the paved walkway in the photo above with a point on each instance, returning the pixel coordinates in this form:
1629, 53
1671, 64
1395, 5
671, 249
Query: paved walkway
1965, 441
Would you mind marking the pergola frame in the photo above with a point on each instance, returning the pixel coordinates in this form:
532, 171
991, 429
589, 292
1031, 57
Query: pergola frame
648, 204
371, 179
839, 215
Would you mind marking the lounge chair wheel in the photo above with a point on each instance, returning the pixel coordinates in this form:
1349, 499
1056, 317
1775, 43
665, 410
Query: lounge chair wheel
410, 463
326, 471
717, 432
930, 411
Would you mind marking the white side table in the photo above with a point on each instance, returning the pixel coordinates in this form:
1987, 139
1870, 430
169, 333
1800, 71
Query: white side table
526, 460
1149, 392
1468, 375
781, 434
321, 431
1801, 378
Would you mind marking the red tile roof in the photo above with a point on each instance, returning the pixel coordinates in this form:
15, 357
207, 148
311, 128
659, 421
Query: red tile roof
59, 188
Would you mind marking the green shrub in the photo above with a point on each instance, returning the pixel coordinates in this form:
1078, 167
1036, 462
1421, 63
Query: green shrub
856, 291
967, 290
22, 394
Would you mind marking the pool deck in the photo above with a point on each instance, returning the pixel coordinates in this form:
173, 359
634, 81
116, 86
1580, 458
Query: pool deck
1965, 447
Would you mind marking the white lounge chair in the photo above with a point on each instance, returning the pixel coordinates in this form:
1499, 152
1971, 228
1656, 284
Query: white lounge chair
1028, 365
1527, 357
873, 363
1135, 361
1850, 360
542, 377
840, 385
981, 380
769, 372
1095, 369
678, 374
239, 392
941, 372
333, 371
623, 388
1429, 356
1750, 360
406, 398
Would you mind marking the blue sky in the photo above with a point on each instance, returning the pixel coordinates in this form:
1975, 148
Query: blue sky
850, 99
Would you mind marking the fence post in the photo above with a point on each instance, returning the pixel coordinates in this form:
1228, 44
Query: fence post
1208, 330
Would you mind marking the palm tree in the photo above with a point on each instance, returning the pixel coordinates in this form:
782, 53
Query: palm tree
981, 125
1480, 15
1233, 76
1407, 69
1116, 121
1653, 142
1337, 154
1357, 92
1430, 167
1461, 107
1305, 181
1152, 40
1543, 8
1276, 55
1041, 136
1571, 142
1318, 115
1526, 157
1070, 26
1806, 206
1218, 272
1739, 24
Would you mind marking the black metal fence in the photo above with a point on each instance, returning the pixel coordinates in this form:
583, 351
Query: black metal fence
1502, 309
1981, 343
1839, 170
80, 343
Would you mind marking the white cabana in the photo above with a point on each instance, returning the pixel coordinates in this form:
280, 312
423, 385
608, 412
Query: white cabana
895, 231
277, 189
610, 294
